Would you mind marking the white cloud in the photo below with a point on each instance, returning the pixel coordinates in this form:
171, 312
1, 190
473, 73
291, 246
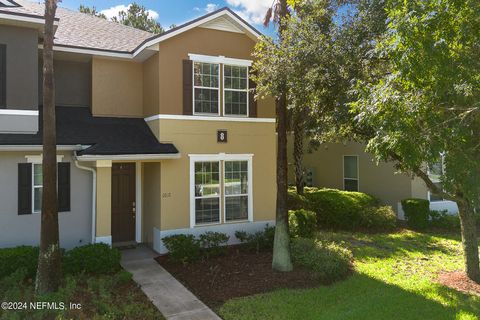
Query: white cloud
210, 7
251, 10
113, 11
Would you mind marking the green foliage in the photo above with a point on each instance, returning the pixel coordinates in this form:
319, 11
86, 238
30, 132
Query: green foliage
91, 11
137, 16
258, 241
330, 261
13, 259
443, 220
417, 212
302, 223
381, 218
96, 258
214, 243
182, 247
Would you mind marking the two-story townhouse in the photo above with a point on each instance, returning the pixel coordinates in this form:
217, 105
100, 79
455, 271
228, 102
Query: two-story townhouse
157, 134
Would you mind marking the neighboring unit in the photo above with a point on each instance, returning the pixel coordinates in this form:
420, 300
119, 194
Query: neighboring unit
346, 166
157, 134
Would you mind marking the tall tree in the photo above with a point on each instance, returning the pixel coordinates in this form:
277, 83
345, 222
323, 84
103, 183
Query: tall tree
138, 17
49, 260
425, 104
92, 11
281, 246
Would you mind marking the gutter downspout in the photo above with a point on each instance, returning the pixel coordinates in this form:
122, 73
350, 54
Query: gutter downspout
94, 195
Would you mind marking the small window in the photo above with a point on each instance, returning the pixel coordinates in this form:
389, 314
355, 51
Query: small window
207, 192
37, 187
3, 76
350, 173
206, 88
235, 90
236, 190
435, 173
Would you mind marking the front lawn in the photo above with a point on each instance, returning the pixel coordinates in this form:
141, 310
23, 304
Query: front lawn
395, 278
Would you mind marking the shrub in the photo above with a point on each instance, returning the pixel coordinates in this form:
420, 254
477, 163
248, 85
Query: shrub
328, 260
302, 223
182, 248
443, 220
378, 218
13, 259
97, 258
214, 243
417, 212
258, 241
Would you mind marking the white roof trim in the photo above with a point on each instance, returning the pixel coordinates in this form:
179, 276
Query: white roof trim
207, 118
190, 26
127, 157
220, 59
22, 18
16, 112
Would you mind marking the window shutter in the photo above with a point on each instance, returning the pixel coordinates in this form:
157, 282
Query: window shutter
187, 87
63, 186
252, 103
24, 188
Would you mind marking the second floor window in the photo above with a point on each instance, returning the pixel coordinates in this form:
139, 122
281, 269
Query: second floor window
206, 88
235, 90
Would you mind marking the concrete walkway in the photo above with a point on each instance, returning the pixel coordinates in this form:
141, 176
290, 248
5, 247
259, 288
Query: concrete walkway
173, 300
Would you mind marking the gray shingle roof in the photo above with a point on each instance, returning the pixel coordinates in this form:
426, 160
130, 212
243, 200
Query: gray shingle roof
76, 29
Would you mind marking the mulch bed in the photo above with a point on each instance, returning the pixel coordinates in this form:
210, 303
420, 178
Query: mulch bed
237, 274
459, 281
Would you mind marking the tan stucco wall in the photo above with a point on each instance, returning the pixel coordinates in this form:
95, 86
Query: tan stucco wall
104, 199
377, 180
117, 88
151, 85
419, 189
151, 200
200, 137
198, 41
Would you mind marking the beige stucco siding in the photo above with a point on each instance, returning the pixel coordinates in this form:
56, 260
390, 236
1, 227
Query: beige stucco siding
104, 200
151, 85
200, 137
151, 199
379, 180
117, 88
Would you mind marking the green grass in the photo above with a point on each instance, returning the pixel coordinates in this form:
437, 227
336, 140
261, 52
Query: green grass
394, 279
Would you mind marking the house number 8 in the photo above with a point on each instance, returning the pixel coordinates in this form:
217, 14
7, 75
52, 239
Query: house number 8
222, 136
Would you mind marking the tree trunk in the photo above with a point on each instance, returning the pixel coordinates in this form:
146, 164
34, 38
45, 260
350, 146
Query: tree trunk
469, 240
49, 260
281, 245
298, 136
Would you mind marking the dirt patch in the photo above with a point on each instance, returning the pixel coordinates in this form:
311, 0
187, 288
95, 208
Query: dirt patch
236, 274
458, 280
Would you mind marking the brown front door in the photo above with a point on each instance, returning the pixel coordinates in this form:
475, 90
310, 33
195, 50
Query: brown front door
123, 202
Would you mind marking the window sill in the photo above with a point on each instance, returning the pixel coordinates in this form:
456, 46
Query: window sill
220, 223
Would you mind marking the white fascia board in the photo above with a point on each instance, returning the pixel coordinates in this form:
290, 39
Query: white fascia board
15, 112
207, 118
220, 59
92, 52
14, 148
129, 157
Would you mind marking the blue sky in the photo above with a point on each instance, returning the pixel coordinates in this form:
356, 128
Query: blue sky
169, 12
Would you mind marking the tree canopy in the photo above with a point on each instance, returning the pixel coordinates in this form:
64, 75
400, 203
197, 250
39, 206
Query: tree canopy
136, 16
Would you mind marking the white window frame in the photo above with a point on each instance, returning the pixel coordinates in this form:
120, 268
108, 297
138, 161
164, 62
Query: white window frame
235, 90
220, 61
37, 160
358, 171
218, 114
248, 194
429, 193
221, 157
219, 196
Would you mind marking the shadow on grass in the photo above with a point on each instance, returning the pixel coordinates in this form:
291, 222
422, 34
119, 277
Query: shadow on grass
399, 244
359, 297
